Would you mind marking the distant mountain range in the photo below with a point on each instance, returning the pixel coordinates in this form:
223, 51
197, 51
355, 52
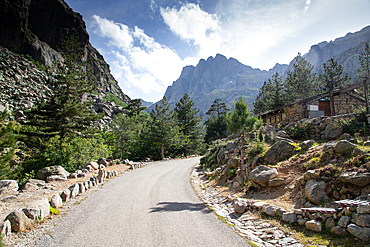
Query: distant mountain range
226, 79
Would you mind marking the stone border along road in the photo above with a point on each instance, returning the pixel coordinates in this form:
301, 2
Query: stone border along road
257, 231
153, 206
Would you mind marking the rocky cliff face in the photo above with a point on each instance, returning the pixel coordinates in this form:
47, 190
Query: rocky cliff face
38, 28
344, 50
221, 78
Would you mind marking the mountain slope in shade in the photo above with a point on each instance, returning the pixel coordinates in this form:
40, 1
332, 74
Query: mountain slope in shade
38, 28
221, 78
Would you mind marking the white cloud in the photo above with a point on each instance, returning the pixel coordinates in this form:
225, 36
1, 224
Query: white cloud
140, 62
195, 26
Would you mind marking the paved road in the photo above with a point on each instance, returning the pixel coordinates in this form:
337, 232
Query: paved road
151, 206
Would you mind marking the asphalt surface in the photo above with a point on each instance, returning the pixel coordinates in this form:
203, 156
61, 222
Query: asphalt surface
151, 206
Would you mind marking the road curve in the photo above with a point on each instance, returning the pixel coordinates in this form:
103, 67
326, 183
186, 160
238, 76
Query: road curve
151, 206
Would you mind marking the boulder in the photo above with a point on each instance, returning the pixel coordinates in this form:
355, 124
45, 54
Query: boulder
74, 190
5, 228
290, 217
330, 223
329, 146
56, 201
308, 175
89, 168
363, 220
73, 175
276, 182
38, 210
315, 192
65, 195
280, 150
233, 162
282, 134
338, 230
363, 209
344, 221
240, 205
262, 174
101, 175
8, 187
360, 232
355, 178
258, 205
313, 225
55, 178
357, 152
18, 221
82, 188
94, 165
333, 131
269, 132
103, 161
221, 156
270, 209
307, 144
51, 170
344, 146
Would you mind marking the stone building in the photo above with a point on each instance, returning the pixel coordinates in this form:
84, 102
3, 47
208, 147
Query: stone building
337, 102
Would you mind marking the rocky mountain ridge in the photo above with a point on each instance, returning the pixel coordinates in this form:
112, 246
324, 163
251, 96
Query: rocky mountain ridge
26, 31
226, 79
218, 77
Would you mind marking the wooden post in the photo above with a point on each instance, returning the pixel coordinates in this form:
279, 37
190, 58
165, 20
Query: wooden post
366, 96
332, 109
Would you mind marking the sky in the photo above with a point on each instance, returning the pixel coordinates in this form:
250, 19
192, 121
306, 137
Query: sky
148, 42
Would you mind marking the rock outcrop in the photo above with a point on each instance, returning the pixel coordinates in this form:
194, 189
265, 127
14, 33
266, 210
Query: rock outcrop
24, 30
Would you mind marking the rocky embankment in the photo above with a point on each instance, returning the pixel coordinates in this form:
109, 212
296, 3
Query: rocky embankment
322, 186
22, 83
26, 212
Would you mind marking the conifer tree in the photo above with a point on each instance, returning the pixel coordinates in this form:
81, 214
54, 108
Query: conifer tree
301, 82
332, 77
65, 112
271, 95
134, 107
189, 123
364, 61
241, 121
216, 126
164, 128
8, 138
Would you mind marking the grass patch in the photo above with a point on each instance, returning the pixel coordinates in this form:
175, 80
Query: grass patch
54, 211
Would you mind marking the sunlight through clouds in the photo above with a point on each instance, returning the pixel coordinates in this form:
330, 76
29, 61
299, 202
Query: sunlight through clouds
148, 66
195, 26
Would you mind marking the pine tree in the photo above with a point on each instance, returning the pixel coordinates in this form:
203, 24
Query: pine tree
332, 77
364, 61
134, 107
8, 138
301, 82
218, 108
164, 128
190, 124
241, 121
216, 126
65, 112
271, 95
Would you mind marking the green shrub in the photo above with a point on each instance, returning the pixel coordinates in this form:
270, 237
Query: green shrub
302, 132
357, 124
72, 153
115, 99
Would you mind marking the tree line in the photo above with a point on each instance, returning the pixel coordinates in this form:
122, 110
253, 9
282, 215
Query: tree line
302, 83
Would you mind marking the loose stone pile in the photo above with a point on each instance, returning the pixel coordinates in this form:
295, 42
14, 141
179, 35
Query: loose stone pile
233, 210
